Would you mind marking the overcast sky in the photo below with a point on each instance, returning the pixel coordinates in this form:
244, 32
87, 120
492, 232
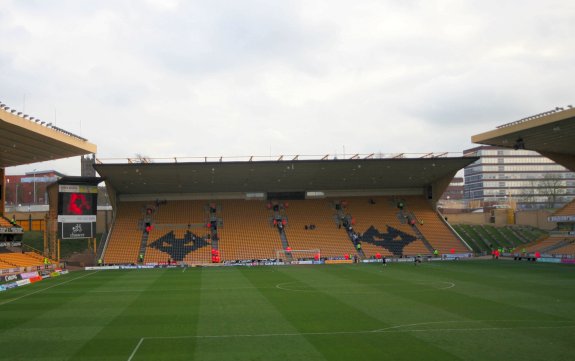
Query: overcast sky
169, 78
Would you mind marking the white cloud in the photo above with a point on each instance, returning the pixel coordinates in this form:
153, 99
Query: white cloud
191, 78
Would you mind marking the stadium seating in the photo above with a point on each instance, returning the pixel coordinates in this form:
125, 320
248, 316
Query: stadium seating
331, 241
125, 237
381, 213
568, 249
566, 210
21, 259
433, 228
5, 222
548, 243
540, 245
247, 231
170, 221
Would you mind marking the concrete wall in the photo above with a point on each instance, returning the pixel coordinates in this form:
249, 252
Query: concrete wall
468, 218
535, 218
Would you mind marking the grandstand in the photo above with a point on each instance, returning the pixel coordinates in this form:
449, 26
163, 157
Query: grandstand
551, 134
235, 208
24, 140
247, 230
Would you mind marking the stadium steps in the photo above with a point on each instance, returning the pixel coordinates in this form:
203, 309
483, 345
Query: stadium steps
495, 243
529, 233
422, 238
517, 239
215, 241
143, 245
326, 236
470, 241
568, 249
473, 231
556, 246
473, 236
542, 243
285, 243
497, 236
350, 236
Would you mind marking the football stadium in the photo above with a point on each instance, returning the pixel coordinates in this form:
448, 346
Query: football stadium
294, 258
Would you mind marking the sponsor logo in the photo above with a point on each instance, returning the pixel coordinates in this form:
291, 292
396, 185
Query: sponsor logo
101, 268
23, 282
128, 267
10, 230
305, 262
10, 278
29, 275
338, 261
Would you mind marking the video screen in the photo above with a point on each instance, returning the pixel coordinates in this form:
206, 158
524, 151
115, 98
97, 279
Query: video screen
78, 204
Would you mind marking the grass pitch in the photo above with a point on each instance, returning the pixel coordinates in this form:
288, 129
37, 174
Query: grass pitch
477, 310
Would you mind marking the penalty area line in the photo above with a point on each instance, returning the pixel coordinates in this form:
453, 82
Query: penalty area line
136, 349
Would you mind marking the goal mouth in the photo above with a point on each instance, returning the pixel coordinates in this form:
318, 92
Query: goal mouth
298, 255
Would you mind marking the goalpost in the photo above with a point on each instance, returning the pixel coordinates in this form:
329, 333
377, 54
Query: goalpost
297, 254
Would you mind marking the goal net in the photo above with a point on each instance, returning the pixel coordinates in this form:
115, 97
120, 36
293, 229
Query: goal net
298, 255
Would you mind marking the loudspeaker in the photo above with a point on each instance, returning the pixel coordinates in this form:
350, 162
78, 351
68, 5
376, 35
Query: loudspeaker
429, 192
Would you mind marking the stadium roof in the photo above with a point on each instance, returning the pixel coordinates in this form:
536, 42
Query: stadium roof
24, 141
550, 133
279, 175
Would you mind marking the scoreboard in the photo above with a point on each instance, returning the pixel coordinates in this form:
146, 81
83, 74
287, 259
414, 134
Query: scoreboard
77, 210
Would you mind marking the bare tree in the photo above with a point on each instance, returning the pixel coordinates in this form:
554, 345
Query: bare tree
551, 186
140, 158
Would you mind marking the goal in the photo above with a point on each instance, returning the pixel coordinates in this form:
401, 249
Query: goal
297, 255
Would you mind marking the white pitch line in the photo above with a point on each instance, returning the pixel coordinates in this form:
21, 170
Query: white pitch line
391, 329
342, 289
44, 289
214, 289
136, 349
